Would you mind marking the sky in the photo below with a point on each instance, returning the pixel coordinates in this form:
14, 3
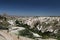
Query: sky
30, 7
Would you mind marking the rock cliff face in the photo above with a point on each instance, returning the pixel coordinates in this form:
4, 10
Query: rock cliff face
43, 24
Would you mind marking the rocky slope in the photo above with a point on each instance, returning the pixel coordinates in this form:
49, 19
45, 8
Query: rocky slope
51, 24
35, 26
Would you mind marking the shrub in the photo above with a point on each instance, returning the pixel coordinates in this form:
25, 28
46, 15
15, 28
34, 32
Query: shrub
26, 33
58, 35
